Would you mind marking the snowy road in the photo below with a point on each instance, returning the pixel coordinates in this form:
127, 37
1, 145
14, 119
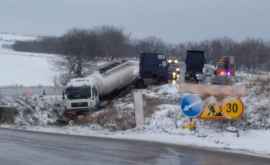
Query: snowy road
25, 148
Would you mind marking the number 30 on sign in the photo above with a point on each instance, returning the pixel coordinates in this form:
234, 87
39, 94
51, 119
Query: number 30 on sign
232, 108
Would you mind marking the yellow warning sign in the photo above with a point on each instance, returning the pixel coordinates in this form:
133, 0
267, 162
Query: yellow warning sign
212, 111
232, 108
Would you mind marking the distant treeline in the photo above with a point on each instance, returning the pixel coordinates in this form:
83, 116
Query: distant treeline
79, 46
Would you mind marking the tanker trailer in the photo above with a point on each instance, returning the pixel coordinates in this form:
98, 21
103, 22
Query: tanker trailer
84, 94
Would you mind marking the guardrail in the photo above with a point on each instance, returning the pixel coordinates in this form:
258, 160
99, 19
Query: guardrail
4, 106
36, 90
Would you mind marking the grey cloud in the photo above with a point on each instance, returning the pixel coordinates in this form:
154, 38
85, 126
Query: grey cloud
172, 20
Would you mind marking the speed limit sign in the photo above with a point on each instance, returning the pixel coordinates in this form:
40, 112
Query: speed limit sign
232, 108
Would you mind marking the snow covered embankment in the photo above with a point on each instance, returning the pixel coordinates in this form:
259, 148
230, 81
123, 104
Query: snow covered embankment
251, 135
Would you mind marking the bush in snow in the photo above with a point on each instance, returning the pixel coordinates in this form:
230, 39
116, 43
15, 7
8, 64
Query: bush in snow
37, 110
258, 104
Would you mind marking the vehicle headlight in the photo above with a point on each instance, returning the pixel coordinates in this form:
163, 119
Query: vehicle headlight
176, 61
177, 69
169, 61
199, 76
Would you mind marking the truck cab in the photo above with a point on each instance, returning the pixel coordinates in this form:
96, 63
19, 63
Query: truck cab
80, 96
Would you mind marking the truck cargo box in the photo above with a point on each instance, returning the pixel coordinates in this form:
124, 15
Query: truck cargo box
154, 66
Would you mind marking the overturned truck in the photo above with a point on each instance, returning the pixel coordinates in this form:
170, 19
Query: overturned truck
85, 94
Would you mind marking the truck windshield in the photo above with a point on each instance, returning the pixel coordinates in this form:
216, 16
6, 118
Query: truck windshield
78, 92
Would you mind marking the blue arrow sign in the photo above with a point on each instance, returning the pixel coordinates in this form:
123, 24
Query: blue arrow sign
191, 105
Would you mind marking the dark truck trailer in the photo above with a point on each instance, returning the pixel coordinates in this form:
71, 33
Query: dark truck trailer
195, 61
153, 68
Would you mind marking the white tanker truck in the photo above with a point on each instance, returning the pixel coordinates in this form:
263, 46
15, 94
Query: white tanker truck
86, 93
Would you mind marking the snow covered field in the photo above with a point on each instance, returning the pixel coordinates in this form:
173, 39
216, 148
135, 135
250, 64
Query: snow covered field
28, 69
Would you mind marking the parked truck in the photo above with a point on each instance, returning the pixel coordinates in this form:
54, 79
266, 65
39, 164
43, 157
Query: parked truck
153, 69
210, 80
84, 94
195, 61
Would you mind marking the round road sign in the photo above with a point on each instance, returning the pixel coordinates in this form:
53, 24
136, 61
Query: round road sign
232, 108
191, 105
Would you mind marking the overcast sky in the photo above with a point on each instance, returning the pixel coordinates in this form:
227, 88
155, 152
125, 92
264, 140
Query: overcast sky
172, 20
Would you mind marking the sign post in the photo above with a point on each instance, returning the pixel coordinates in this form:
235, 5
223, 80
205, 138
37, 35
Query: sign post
138, 105
191, 106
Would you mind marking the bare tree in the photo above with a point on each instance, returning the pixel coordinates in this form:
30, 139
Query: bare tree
79, 47
151, 44
113, 42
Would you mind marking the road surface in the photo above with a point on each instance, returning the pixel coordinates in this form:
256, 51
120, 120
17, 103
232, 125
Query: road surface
27, 148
